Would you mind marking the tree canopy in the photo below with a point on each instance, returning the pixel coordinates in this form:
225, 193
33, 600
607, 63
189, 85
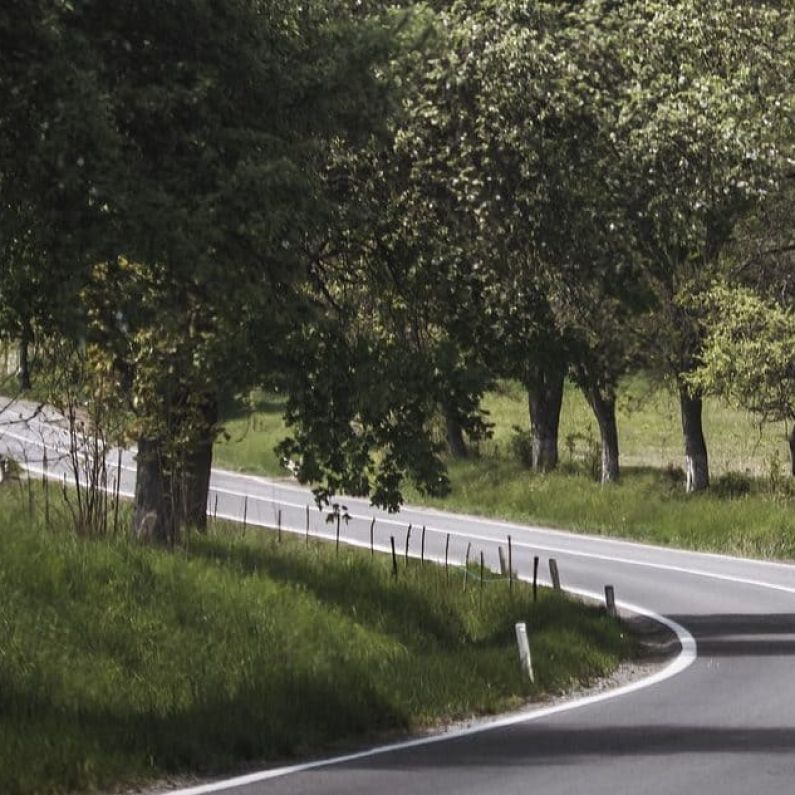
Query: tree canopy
385, 207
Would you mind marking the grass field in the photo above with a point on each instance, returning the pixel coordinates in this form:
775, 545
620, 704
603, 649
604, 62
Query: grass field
648, 420
121, 664
250, 438
749, 511
649, 427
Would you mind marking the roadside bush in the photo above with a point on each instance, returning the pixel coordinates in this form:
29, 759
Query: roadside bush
521, 446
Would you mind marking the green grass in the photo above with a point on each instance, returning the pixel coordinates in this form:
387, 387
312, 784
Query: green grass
647, 505
251, 436
121, 664
748, 512
650, 432
649, 427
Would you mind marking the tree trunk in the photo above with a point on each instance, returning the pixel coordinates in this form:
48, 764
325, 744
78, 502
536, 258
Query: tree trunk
792, 451
545, 398
696, 461
26, 338
154, 517
455, 436
604, 409
196, 475
171, 491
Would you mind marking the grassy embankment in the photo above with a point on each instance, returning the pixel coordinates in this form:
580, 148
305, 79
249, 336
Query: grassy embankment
121, 664
748, 512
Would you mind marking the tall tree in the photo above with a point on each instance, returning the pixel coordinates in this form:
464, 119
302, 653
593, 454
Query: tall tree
703, 113
508, 131
224, 112
386, 270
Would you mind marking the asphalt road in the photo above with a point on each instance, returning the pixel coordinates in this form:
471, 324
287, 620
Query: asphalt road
721, 721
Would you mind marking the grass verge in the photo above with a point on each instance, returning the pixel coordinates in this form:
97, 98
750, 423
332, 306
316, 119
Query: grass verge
739, 517
121, 664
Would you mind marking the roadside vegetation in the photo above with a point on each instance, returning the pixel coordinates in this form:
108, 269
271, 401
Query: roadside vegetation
748, 510
400, 206
400, 234
120, 663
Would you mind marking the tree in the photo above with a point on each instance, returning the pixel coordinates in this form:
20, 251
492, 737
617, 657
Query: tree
403, 346
749, 356
224, 112
507, 143
202, 128
703, 116
55, 143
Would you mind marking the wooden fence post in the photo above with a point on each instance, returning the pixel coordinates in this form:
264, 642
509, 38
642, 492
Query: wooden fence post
554, 573
466, 565
481, 577
610, 600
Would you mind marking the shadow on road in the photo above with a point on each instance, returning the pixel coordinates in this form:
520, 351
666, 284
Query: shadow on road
737, 635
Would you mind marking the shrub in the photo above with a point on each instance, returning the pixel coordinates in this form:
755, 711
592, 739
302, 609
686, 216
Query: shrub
521, 446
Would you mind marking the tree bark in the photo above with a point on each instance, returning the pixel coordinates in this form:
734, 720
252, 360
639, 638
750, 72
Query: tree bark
455, 436
696, 460
545, 398
196, 475
171, 491
154, 517
792, 451
26, 338
604, 409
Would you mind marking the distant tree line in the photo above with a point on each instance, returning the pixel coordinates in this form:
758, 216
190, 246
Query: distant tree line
387, 206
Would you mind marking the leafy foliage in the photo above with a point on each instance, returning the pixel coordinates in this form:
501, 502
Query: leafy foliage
749, 353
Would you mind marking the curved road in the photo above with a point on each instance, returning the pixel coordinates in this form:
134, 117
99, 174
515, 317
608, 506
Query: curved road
723, 725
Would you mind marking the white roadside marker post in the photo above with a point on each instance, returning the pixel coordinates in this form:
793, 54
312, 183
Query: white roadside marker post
524, 650
503, 564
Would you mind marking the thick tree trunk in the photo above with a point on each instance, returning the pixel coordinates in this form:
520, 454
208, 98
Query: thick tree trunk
792, 451
545, 398
196, 476
154, 516
455, 436
25, 340
604, 409
171, 492
696, 460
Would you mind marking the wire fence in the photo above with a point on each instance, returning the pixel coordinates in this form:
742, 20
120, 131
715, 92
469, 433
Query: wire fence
489, 562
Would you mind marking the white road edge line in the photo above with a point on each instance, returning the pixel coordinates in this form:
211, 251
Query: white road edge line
503, 524
487, 539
